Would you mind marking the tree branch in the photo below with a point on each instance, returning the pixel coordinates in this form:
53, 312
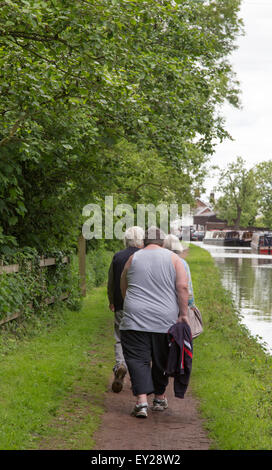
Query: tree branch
41, 38
46, 59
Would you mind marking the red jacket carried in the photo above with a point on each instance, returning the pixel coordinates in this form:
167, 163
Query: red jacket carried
179, 364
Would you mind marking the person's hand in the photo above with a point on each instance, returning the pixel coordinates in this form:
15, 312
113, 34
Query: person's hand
111, 307
183, 319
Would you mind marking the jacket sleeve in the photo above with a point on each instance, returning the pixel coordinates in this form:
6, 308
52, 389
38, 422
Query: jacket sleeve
110, 286
181, 380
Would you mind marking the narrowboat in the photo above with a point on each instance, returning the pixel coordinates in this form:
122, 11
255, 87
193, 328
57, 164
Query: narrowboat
214, 237
222, 237
262, 243
232, 238
246, 238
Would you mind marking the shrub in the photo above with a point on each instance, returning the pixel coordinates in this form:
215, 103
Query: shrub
30, 288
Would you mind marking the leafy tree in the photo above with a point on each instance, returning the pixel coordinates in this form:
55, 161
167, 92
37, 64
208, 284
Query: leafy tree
239, 201
143, 176
263, 176
78, 77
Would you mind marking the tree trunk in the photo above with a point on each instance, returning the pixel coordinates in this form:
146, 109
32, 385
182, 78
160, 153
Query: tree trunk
238, 218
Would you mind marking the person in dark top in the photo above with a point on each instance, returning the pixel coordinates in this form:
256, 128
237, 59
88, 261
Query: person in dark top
133, 240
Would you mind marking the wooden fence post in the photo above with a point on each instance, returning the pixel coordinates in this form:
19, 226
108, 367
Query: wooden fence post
82, 263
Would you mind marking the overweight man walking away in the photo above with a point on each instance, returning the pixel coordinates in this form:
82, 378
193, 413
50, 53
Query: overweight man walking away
154, 285
133, 240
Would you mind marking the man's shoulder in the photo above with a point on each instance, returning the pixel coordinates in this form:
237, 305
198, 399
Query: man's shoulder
125, 252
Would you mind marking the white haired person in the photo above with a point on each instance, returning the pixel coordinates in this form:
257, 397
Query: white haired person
172, 243
133, 240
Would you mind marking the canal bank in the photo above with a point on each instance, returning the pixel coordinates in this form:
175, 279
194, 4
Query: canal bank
232, 372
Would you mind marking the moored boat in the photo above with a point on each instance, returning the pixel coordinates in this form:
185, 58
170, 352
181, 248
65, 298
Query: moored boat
222, 237
214, 237
246, 238
262, 243
232, 238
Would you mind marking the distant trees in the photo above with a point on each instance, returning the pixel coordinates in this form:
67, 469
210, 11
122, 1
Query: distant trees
263, 178
239, 202
246, 194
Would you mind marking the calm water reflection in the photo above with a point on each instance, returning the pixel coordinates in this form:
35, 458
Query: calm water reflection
249, 279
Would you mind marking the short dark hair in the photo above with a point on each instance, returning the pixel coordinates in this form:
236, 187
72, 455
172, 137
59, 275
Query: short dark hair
154, 236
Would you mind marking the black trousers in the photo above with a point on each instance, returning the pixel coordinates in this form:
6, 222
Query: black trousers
146, 358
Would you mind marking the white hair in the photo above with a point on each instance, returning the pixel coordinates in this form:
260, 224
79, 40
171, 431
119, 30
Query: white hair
134, 236
154, 232
171, 242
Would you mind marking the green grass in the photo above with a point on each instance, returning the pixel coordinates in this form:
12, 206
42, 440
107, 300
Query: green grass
52, 384
232, 374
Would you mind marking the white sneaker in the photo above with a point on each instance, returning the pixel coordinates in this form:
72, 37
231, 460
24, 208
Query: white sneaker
159, 405
140, 411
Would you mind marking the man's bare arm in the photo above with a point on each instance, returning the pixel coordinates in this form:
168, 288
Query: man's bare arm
181, 288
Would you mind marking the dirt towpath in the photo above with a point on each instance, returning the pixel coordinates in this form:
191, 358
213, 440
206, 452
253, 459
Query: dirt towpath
177, 428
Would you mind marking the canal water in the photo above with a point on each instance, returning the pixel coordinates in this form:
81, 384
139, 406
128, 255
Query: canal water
248, 277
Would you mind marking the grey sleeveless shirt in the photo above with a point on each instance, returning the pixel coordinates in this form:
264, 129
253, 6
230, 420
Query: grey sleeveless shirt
151, 302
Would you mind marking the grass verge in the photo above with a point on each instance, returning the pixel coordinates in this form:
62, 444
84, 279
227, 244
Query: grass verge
52, 383
232, 374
